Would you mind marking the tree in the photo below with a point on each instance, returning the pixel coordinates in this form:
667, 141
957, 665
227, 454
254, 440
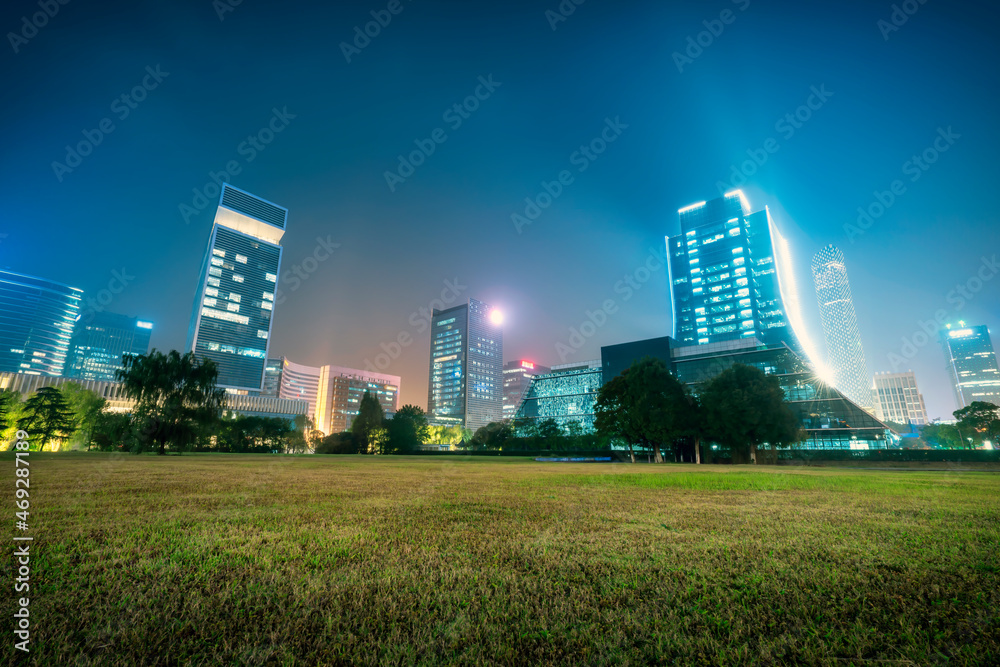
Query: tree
86, 407
10, 411
609, 416
492, 436
369, 424
744, 408
942, 436
647, 405
47, 417
978, 421
175, 396
406, 431
111, 432
338, 443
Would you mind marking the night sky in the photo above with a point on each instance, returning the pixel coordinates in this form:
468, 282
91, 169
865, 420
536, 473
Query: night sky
679, 127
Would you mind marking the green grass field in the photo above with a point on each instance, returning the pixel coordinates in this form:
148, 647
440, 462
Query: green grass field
240, 559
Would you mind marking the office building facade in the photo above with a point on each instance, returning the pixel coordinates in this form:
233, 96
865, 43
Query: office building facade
466, 366
234, 303
102, 341
340, 391
898, 399
730, 277
566, 394
972, 364
37, 317
517, 377
272, 377
845, 354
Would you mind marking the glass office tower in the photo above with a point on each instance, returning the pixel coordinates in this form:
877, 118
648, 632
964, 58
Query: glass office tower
466, 366
36, 324
972, 364
846, 356
567, 394
730, 277
100, 343
231, 322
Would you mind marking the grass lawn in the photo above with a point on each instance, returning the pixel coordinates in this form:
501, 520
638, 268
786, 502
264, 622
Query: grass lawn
240, 559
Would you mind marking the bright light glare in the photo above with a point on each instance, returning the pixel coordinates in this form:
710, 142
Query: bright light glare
496, 317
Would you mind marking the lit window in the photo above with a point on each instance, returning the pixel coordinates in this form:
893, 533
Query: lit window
261, 334
233, 296
270, 277
269, 296
209, 301
216, 261
214, 271
241, 259
211, 291
737, 251
233, 307
739, 261
214, 282
218, 253
237, 278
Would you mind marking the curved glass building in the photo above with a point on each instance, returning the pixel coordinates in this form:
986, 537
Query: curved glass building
840, 327
36, 323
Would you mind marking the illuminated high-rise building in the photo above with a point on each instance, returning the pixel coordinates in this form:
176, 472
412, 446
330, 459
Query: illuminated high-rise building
972, 364
845, 354
272, 377
300, 383
731, 277
466, 366
101, 341
36, 324
898, 399
233, 307
516, 381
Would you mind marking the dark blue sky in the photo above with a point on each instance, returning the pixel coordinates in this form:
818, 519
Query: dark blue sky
120, 208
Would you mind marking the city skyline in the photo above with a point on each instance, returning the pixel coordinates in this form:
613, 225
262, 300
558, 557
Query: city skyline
356, 254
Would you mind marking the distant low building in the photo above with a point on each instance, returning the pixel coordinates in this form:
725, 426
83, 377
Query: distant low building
340, 391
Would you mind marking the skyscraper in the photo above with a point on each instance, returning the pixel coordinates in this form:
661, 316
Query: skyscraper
730, 277
516, 381
100, 342
36, 323
846, 356
972, 364
233, 307
466, 366
899, 400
